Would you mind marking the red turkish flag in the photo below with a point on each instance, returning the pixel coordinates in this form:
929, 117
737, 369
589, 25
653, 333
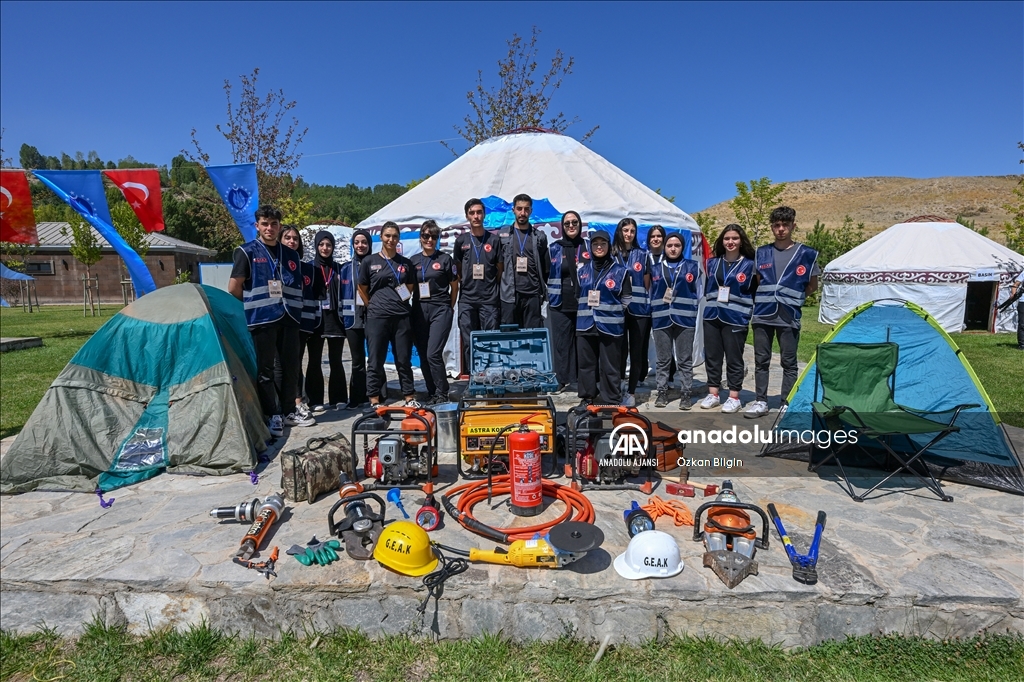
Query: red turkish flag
17, 222
141, 189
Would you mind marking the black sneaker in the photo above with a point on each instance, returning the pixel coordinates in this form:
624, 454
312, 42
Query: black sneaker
684, 403
662, 400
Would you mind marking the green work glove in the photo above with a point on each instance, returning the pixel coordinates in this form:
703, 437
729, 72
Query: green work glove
326, 553
302, 554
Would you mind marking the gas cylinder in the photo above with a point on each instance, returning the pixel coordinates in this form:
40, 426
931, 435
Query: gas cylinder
524, 469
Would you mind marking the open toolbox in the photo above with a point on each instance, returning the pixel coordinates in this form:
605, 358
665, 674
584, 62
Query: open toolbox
510, 360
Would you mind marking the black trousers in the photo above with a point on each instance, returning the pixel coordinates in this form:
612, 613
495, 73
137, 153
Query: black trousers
277, 342
381, 331
724, 340
525, 311
357, 381
337, 390
474, 317
563, 343
432, 323
600, 361
789, 339
638, 343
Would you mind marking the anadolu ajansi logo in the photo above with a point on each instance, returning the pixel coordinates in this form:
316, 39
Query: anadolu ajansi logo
238, 197
629, 440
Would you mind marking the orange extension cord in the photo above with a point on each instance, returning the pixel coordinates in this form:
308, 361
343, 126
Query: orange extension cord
470, 494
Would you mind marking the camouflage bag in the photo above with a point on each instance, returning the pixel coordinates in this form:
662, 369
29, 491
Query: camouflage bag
308, 472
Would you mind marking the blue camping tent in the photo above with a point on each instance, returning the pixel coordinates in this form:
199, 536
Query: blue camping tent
932, 374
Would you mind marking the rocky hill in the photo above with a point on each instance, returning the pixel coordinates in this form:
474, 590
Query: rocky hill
882, 202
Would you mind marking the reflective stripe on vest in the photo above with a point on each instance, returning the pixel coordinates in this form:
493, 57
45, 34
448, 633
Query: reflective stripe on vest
739, 281
347, 289
608, 315
310, 306
683, 311
640, 304
259, 307
787, 288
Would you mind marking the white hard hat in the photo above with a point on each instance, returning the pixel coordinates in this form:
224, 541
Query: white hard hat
650, 554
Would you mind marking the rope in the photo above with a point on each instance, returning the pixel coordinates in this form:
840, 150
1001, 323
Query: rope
679, 512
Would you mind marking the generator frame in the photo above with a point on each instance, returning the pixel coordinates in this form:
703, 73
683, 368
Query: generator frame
391, 414
574, 432
514, 408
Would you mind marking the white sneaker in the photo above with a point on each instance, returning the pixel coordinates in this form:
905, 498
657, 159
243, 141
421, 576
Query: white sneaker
413, 403
300, 417
755, 409
629, 400
275, 426
710, 400
318, 409
732, 405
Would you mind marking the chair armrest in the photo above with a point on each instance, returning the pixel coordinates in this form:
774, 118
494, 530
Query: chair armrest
954, 410
825, 412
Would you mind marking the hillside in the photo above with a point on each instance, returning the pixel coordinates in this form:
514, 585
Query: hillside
882, 202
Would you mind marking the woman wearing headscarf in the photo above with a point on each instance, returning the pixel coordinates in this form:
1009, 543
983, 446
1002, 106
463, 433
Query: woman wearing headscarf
327, 274
568, 254
728, 304
308, 322
352, 309
674, 298
600, 323
628, 254
433, 309
386, 282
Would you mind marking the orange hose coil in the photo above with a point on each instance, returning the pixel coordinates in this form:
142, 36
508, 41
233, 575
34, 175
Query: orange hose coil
470, 494
679, 512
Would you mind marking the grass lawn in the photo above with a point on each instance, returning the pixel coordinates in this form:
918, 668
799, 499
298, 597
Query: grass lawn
994, 357
26, 374
201, 653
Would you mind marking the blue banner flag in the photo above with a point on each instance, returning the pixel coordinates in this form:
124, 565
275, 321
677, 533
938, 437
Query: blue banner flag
499, 212
236, 185
83, 191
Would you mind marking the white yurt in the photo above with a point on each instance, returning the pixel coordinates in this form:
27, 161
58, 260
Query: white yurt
954, 273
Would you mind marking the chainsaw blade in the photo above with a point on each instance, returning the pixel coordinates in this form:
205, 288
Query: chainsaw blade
575, 537
730, 567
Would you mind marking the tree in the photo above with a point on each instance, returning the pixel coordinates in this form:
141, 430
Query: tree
30, 158
15, 256
706, 222
752, 206
128, 226
830, 244
254, 131
85, 248
5, 161
519, 101
969, 224
1013, 230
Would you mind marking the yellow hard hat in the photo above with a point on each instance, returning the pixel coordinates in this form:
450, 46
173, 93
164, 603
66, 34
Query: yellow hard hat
404, 547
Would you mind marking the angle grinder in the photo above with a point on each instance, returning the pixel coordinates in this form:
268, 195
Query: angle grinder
565, 543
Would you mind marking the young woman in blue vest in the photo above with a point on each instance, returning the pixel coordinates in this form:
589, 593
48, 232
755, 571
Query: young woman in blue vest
387, 281
331, 329
600, 323
266, 277
674, 299
568, 254
728, 304
787, 272
311, 320
655, 252
628, 254
352, 309
433, 310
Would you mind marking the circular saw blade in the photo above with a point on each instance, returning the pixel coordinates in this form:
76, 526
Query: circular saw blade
575, 536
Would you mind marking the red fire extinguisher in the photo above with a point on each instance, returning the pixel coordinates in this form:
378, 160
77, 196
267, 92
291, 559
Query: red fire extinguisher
524, 471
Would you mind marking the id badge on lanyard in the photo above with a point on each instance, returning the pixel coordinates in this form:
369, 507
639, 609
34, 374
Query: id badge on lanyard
478, 271
669, 297
723, 295
403, 292
325, 304
522, 265
274, 288
424, 290
593, 298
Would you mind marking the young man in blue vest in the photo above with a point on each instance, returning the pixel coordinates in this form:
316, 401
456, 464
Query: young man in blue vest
267, 277
788, 273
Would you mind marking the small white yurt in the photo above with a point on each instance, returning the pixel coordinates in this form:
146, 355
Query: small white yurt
954, 273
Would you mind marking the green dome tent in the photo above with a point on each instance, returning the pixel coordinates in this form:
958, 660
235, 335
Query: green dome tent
932, 374
166, 385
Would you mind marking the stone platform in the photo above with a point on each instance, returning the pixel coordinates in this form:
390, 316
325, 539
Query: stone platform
19, 343
902, 562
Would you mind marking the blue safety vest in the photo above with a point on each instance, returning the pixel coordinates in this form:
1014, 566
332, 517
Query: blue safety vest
636, 265
347, 286
787, 288
684, 277
310, 306
260, 308
555, 276
609, 314
739, 279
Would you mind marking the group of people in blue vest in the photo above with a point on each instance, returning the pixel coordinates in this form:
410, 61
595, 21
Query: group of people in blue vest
606, 298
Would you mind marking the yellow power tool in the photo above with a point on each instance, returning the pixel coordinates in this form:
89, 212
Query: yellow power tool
565, 543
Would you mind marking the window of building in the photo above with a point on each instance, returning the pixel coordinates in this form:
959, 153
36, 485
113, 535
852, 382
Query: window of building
44, 267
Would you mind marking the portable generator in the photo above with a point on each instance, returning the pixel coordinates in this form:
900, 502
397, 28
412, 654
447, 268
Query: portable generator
482, 446
608, 444
398, 446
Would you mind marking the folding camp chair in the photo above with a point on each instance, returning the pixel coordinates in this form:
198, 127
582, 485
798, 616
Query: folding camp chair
858, 381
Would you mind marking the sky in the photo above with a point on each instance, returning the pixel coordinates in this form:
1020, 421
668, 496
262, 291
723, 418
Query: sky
689, 97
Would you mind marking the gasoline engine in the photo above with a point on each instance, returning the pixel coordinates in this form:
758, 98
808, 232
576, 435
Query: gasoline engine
609, 444
399, 446
730, 539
